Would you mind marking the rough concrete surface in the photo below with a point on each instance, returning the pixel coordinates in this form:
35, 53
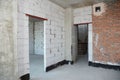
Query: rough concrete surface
79, 71
7, 65
36, 65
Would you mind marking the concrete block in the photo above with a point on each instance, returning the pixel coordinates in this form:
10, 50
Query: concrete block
51, 42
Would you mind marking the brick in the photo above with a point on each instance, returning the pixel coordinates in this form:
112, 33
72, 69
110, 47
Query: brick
107, 26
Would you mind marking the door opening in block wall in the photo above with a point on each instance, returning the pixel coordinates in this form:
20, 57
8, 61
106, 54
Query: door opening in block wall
36, 46
81, 42
82, 39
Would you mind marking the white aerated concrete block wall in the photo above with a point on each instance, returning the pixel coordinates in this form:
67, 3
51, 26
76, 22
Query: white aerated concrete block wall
54, 35
39, 38
53, 32
82, 15
23, 44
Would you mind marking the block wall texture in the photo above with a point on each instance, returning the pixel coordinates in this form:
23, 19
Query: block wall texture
39, 38
82, 15
106, 34
53, 31
36, 37
54, 34
8, 58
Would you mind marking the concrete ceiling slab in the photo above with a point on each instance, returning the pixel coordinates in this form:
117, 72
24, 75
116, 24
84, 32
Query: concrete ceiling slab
77, 3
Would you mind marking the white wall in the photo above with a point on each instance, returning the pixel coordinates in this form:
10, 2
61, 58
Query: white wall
82, 15
36, 37
8, 40
39, 37
68, 33
53, 32
57, 32
90, 42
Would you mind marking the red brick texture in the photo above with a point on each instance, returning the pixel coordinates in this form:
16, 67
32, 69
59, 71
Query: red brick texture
106, 34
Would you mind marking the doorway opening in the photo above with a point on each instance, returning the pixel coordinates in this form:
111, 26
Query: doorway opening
36, 46
82, 37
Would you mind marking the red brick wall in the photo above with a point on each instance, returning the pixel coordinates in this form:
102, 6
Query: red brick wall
106, 38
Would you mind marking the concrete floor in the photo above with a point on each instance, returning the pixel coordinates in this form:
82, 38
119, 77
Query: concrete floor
79, 71
36, 65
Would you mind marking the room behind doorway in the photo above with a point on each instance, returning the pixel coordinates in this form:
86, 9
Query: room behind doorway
36, 47
82, 41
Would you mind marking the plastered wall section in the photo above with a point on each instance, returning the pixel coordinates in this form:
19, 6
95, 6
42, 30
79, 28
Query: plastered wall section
39, 38
8, 28
53, 32
106, 30
68, 33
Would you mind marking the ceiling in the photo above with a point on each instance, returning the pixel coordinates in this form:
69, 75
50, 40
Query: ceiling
77, 3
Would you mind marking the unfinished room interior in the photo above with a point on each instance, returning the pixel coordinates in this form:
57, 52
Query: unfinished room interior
59, 39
